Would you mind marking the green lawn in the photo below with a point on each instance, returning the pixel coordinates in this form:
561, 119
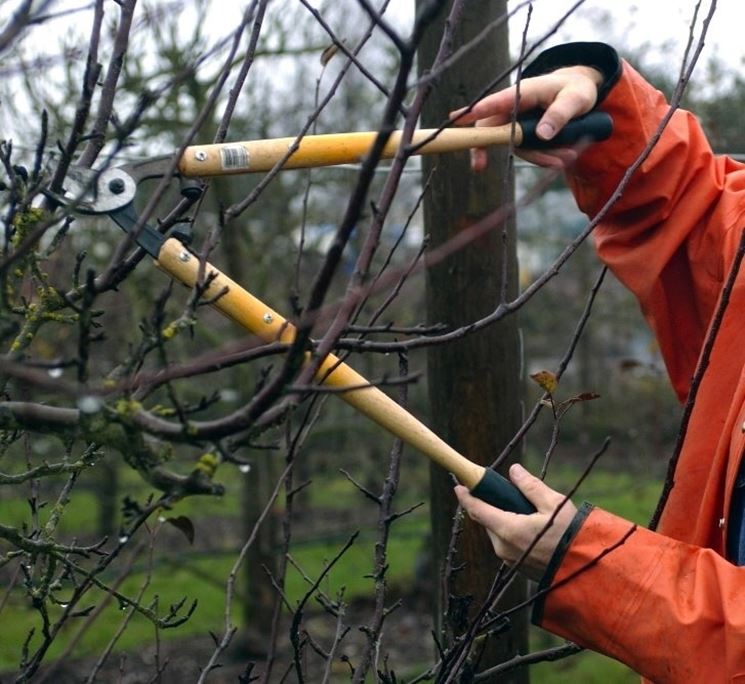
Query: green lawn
583, 668
202, 577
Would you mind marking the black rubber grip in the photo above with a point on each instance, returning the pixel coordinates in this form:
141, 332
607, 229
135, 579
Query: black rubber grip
591, 127
500, 492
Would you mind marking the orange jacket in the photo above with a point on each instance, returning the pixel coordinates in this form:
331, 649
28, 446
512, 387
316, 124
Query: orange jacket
666, 603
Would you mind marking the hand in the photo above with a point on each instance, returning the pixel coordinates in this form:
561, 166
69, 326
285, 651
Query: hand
564, 94
511, 533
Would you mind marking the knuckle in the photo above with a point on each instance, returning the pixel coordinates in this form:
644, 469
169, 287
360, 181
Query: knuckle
580, 100
530, 486
476, 515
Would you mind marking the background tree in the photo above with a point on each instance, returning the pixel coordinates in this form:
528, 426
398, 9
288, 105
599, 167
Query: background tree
482, 369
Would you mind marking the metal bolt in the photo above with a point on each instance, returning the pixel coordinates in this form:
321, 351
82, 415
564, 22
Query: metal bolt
184, 256
200, 155
268, 318
116, 185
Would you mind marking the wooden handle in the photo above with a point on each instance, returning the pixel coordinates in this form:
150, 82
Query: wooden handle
330, 149
347, 148
255, 316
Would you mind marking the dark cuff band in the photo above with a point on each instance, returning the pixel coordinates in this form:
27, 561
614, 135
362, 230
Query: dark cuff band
556, 559
597, 55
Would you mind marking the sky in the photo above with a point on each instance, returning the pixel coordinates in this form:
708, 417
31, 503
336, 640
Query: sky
663, 25
660, 26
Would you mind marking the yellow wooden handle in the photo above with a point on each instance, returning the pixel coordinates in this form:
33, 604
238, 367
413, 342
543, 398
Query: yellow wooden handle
330, 149
253, 315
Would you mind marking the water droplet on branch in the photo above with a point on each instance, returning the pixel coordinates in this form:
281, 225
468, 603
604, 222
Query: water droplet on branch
90, 404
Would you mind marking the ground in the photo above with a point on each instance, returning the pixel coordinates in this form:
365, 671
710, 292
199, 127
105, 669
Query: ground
407, 641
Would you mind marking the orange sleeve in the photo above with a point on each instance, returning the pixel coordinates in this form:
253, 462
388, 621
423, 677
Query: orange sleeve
671, 611
673, 232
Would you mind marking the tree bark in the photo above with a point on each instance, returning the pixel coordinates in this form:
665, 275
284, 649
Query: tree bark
474, 384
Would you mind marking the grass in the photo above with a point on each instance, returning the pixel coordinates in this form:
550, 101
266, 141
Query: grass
202, 577
584, 668
170, 586
630, 496
76, 520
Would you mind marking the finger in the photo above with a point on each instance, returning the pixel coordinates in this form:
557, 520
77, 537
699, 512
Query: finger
479, 155
479, 159
497, 109
481, 512
569, 103
559, 158
535, 490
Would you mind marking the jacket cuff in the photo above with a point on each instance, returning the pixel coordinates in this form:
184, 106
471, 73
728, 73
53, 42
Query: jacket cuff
597, 55
558, 556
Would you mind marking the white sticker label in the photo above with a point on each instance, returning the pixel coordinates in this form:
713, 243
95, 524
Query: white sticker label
234, 157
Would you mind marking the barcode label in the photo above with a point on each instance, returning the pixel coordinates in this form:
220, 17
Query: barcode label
234, 157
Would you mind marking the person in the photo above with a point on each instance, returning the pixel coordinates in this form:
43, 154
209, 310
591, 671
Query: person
669, 603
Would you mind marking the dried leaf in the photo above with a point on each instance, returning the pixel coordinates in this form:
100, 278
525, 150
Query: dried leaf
184, 524
584, 396
328, 54
547, 380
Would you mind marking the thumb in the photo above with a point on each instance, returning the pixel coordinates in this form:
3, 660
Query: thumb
535, 490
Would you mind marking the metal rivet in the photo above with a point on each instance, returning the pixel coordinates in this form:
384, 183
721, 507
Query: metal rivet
117, 186
742, 427
184, 256
200, 155
721, 522
268, 318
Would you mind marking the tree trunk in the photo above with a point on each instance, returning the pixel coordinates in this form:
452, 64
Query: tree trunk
474, 384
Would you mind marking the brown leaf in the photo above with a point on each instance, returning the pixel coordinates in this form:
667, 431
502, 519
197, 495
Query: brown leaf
587, 396
328, 54
584, 396
547, 380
